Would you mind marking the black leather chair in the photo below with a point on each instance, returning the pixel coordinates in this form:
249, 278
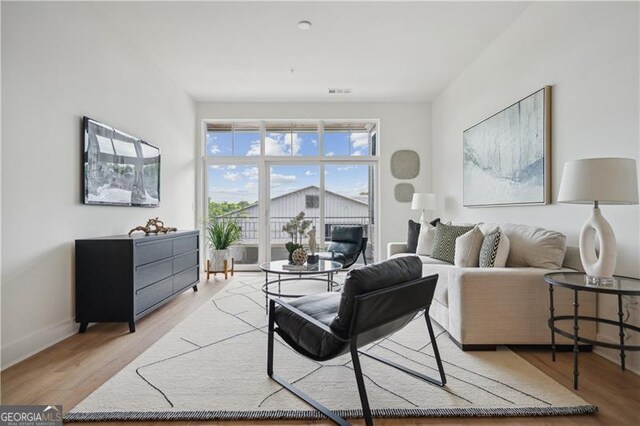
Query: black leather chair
347, 243
376, 301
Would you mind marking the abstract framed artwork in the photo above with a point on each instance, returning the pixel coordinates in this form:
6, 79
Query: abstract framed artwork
507, 157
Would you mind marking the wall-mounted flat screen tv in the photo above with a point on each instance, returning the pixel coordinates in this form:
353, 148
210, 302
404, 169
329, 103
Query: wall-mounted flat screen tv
119, 169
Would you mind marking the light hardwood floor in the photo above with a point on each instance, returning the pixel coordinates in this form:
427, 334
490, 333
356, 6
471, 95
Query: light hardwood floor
70, 370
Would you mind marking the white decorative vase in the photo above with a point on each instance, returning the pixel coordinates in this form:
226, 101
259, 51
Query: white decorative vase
217, 259
604, 264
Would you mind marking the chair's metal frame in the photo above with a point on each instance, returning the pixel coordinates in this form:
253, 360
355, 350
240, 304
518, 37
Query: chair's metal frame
353, 348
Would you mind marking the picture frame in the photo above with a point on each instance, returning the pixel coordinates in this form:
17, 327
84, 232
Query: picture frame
507, 156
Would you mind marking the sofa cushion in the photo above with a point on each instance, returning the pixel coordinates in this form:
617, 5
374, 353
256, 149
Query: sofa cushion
534, 247
426, 260
370, 278
495, 250
444, 241
468, 248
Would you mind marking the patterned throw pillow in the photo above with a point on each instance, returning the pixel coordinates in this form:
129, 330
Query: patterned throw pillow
495, 250
444, 241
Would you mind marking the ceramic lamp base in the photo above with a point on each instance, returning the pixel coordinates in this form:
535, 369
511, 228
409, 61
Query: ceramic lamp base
602, 265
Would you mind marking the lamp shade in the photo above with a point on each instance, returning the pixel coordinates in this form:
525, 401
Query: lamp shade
605, 180
423, 201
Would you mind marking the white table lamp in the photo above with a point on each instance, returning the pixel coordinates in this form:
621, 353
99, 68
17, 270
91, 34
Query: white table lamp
423, 201
599, 181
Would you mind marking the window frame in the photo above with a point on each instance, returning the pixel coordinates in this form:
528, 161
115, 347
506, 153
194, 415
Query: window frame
265, 162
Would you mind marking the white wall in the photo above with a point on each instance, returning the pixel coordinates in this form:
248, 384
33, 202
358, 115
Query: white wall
402, 126
588, 52
60, 62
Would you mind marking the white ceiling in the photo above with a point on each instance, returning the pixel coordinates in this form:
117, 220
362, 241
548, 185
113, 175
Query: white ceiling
244, 51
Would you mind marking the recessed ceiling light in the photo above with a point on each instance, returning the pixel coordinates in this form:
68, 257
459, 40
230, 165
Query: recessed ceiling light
304, 25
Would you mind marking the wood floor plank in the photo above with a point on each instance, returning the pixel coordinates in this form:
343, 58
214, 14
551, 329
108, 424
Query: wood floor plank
72, 369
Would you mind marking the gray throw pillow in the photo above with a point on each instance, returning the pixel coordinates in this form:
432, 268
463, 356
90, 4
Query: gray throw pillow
444, 241
413, 231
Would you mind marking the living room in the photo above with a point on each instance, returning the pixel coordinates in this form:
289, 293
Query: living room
358, 109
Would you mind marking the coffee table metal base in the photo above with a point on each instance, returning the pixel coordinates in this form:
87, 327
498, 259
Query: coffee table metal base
332, 285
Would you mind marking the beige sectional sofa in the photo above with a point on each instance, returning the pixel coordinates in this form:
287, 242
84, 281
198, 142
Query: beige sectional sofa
485, 307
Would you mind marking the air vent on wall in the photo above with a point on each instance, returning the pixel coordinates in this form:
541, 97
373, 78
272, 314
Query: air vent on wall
339, 91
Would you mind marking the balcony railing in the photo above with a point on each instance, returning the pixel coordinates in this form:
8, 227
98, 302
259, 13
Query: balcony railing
249, 226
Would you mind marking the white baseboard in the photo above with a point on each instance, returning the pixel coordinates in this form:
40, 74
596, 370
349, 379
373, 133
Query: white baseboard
612, 354
23, 348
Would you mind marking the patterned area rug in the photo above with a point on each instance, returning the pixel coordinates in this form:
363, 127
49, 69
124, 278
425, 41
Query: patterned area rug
213, 366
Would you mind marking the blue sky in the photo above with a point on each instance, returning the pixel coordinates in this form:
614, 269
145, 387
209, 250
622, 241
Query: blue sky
234, 183
224, 144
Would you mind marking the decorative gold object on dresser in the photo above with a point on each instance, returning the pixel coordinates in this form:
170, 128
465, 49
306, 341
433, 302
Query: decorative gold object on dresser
154, 226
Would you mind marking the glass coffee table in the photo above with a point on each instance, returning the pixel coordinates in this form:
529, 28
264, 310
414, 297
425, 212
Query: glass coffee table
576, 281
323, 271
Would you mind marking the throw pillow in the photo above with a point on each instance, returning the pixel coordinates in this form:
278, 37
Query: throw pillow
444, 241
468, 248
495, 250
413, 231
425, 239
413, 235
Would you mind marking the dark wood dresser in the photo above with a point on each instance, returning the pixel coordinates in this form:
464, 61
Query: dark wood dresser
122, 278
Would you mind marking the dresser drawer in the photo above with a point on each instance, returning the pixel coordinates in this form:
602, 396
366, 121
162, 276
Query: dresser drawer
185, 261
150, 295
152, 272
185, 279
150, 251
185, 244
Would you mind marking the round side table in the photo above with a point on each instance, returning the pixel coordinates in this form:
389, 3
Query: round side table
576, 281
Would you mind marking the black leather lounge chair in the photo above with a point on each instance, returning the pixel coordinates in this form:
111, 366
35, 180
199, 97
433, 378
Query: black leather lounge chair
347, 243
376, 301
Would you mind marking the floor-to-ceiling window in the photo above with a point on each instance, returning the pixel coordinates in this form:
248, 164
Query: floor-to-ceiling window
264, 173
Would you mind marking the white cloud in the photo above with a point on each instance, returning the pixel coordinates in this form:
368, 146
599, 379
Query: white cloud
213, 149
278, 179
255, 149
234, 191
359, 140
309, 173
231, 176
330, 154
251, 173
231, 167
345, 168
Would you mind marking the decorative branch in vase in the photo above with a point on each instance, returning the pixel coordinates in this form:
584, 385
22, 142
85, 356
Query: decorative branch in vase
297, 228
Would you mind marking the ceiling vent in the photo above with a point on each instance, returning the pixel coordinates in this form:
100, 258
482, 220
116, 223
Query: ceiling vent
339, 91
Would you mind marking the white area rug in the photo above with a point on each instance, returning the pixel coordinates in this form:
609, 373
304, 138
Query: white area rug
213, 366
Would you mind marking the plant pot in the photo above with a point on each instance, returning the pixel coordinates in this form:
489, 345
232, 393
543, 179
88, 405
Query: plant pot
217, 259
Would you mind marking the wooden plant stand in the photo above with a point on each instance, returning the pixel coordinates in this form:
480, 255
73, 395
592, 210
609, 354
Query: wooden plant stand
225, 270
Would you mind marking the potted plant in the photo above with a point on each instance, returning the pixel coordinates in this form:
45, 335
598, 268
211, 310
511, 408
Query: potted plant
222, 232
296, 228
